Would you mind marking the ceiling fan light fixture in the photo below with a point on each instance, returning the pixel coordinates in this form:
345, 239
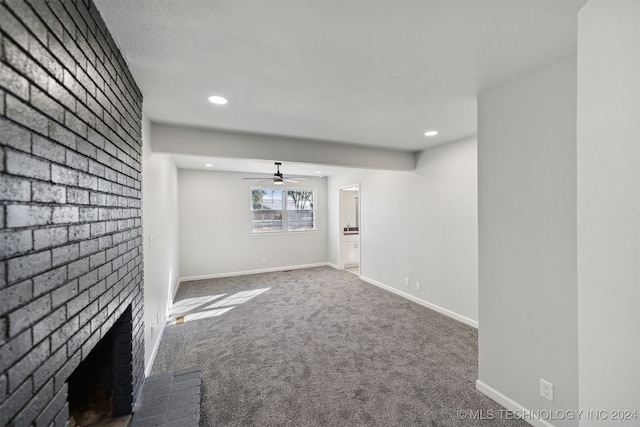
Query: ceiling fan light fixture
279, 178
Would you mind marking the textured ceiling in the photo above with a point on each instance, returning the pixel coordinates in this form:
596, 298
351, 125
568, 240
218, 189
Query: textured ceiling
377, 73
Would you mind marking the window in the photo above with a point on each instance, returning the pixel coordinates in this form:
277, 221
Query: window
301, 214
266, 210
276, 210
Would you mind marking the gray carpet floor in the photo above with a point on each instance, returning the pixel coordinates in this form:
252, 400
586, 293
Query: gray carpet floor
319, 347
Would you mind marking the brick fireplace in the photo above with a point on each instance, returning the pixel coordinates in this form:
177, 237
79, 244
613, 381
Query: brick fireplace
70, 211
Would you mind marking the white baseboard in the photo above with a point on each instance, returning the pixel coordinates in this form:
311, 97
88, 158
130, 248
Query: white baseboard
156, 346
511, 405
247, 272
434, 307
332, 265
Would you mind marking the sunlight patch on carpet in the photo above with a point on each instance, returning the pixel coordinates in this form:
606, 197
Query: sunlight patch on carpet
238, 298
198, 308
188, 304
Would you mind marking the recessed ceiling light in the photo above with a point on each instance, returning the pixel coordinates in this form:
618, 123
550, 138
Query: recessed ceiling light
209, 165
431, 133
219, 100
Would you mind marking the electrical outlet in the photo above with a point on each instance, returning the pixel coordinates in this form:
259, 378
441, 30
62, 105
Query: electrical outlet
546, 390
264, 260
407, 282
418, 285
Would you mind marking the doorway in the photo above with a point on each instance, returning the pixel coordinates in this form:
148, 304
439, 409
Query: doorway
350, 228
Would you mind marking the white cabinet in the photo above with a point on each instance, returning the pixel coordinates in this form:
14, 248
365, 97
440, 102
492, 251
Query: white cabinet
350, 249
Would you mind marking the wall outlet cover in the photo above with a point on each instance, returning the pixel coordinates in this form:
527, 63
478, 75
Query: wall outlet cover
546, 390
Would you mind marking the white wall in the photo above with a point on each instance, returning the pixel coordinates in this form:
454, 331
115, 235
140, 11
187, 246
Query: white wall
609, 207
421, 225
160, 233
215, 225
527, 239
219, 143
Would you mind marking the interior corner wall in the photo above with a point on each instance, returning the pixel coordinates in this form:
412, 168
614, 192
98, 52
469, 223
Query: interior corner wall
420, 225
160, 234
609, 209
527, 240
215, 228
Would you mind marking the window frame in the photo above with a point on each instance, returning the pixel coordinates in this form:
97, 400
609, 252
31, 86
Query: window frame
284, 210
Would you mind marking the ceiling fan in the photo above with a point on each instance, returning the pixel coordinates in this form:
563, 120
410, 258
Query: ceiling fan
279, 178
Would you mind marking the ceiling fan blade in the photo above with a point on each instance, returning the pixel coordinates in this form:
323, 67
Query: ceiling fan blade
279, 178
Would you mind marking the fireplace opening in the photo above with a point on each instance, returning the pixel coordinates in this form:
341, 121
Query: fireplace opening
101, 387
91, 385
